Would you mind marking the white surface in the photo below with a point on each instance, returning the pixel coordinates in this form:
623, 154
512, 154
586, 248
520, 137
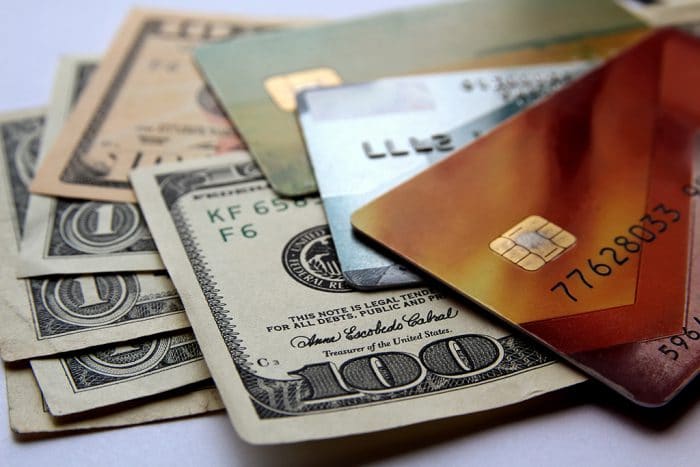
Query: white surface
583, 426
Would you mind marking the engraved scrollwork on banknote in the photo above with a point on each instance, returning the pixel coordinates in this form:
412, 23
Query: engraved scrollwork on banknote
27, 152
175, 185
133, 359
127, 360
79, 303
83, 75
96, 228
443, 365
22, 139
90, 300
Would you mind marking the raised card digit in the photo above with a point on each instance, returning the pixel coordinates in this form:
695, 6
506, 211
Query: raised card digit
670, 352
613, 253
629, 245
662, 226
641, 233
679, 342
675, 214
565, 289
601, 269
581, 276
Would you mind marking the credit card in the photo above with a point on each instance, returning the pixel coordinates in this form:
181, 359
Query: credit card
573, 219
364, 139
270, 69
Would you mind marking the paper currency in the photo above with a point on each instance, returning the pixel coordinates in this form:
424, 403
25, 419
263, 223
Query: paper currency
29, 414
67, 236
146, 104
295, 353
443, 37
119, 372
64, 313
363, 139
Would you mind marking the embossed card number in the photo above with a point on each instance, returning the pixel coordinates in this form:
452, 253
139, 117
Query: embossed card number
632, 244
457, 357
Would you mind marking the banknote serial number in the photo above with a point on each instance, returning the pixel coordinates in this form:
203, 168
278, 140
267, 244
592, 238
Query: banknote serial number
261, 207
618, 253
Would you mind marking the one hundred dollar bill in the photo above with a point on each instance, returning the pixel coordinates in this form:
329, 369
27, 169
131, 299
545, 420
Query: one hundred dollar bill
147, 103
63, 235
296, 353
44, 316
118, 373
29, 413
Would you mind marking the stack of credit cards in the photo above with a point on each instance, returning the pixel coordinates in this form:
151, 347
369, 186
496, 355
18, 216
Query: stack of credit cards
409, 216
363, 139
587, 243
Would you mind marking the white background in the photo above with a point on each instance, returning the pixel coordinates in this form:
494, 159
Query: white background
587, 425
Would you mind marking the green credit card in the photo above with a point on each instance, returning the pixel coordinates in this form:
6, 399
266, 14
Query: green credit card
257, 77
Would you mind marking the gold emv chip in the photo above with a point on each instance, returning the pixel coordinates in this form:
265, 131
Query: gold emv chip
533, 242
283, 89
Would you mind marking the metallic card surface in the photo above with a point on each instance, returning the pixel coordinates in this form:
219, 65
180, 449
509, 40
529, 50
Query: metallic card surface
609, 159
364, 139
532, 243
446, 37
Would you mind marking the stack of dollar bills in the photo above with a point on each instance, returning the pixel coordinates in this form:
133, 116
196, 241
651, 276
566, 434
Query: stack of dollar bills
166, 252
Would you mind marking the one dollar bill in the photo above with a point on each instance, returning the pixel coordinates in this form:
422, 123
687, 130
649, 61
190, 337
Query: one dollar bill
68, 236
296, 353
118, 373
147, 103
29, 414
44, 316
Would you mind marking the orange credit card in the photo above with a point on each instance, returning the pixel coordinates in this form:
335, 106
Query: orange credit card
574, 219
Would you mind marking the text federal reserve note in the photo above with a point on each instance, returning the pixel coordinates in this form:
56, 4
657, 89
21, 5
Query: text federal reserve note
29, 414
146, 104
64, 313
117, 373
296, 353
68, 236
